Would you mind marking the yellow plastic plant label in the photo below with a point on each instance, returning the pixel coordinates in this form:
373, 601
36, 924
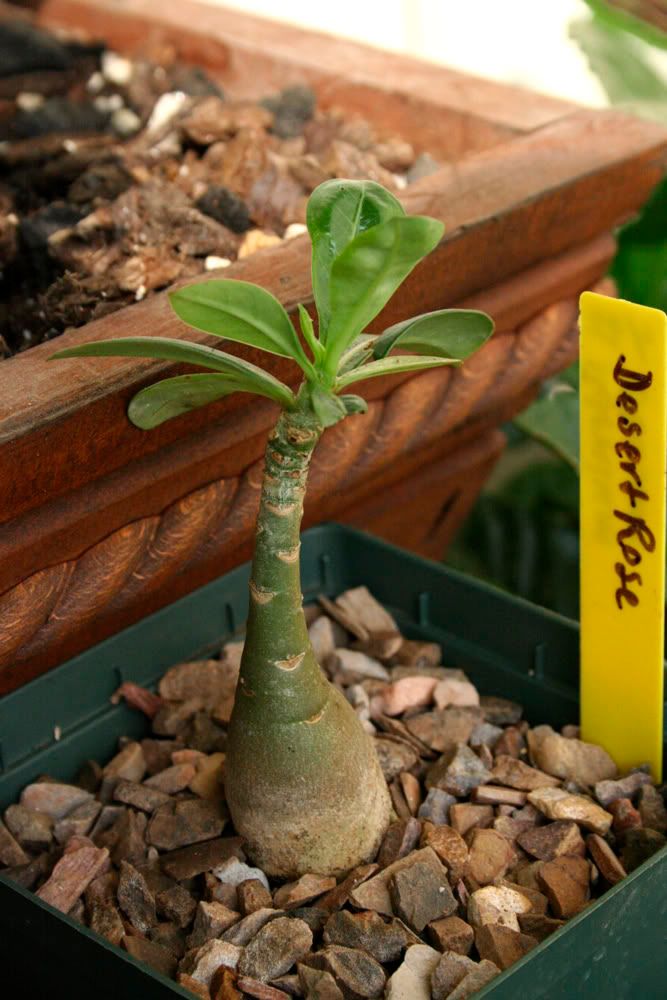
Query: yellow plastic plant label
623, 379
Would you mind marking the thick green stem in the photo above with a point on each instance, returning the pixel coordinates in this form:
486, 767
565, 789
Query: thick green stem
302, 779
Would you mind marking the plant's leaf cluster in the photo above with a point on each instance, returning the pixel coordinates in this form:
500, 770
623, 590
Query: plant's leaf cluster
364, 246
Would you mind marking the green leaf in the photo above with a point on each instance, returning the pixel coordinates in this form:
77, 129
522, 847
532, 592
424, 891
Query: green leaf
174, 396
359, 352
627, 20
392, 366
354, 404
168, 349
554, 421
338, 210
308, 332
454, 333
238, 311
329, 409
369, 271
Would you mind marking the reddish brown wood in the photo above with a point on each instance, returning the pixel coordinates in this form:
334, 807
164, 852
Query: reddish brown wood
101, 524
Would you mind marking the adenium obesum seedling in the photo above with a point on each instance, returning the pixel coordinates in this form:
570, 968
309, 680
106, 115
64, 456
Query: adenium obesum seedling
302, 779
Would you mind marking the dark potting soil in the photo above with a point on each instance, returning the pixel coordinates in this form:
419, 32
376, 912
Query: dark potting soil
119, 177
502, 832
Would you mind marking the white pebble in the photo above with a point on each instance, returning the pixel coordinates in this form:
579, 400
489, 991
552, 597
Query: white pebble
95, 83
212, 263
401, 181
165, 108
294, 229
70, 146
27, 101
233, 872
140, 293
125, 121
108, 102
116, 69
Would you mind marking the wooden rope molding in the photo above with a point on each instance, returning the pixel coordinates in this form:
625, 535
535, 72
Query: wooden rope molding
141, 557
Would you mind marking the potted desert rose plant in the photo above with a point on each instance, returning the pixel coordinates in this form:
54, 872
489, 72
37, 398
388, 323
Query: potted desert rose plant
303, 782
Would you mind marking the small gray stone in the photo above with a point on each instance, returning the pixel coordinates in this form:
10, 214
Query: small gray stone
608, 791
394, 756
500, 711
357, 974
203, 963
106, 921
135, 898
485, 734
421, 894
211, 920
436, 806
318, 984
176, 904
132, 793
78, 822
478, 977
53, 798
245, 930
451, 969
458, 771
11, 852
179, 824
652, 809
385, 941
32, 829
275, 949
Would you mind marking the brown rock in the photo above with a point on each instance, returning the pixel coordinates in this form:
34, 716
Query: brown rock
78, 822
106, 921
211, 920
203, 963
449, 972
412, 979
639, 846
445, 729
11, 852
406, 693
303, 891
174, 716
550, 841
509, 771
497, 905
502, 945
318, 984
421, 894
135, 898
191, 861
356, 974
394, 756
538, 901
374, 894
29, 875
411, 790
464, 817
490, 856
172, 780
33, 830
451, 934
458, 771
129, 764
606, 861
385, 941
339, 896
512, 743
158, 753
207, 782
129, 837
500, 711
223, 985
176, 904
260, 991
221, 892
400, 839
102, 889
450, 847
538, 925
478, 977
152, 954
626, 817
132, 793
556, 803
200, 990
71, 875
53, 798
169, 936
570, 759
652, 809
245, 930
275, 949
179, 824
565, 880
607, 792
252, 896
493, 795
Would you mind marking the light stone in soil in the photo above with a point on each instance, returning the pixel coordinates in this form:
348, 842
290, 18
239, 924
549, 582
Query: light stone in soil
276, 948
556, 803
412, 979
570, 759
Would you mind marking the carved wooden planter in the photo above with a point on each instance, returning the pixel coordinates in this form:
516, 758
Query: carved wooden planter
101, 523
